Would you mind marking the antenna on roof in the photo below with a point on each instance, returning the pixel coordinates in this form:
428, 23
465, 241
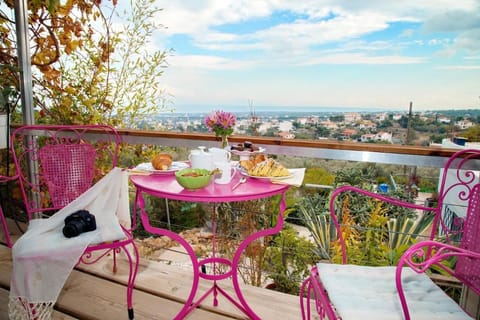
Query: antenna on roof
253, 117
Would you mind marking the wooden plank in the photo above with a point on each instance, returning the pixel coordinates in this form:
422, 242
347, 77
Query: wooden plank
470, 301
4, 308
13, 231
174, 283
88, 297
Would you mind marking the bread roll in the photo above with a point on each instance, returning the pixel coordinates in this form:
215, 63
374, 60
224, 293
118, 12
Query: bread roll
162, 161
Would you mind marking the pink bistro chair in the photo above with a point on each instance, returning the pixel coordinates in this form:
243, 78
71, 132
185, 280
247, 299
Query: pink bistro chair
4, 179
56, 164
405, 291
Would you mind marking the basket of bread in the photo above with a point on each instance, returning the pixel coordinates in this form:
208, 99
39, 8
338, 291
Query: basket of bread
261, 166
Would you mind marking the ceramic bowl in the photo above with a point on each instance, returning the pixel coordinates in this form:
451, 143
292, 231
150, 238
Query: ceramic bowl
193, 179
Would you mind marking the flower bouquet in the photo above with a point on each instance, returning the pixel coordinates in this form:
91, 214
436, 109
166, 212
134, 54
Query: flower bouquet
222, 123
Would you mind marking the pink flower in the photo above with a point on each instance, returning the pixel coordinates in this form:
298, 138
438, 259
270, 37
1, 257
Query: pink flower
221, 122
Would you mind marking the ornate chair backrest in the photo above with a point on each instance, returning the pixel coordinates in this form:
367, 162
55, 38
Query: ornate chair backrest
57, 163
458, 179
468, 269
455, 202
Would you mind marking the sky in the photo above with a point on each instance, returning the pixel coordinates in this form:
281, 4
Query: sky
321, 53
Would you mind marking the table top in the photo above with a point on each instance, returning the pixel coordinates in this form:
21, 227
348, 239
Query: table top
166, 186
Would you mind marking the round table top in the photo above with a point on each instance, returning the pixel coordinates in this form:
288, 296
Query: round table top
166, 186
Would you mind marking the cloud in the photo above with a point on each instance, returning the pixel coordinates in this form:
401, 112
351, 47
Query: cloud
317, 23
455, 20
207, 62
312, 32
359, 58
466, 23
440, 35
468, 67
469, 40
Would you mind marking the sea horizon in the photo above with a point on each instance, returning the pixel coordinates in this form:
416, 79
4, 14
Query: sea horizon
292, 109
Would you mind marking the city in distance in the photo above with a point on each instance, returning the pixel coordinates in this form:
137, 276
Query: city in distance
371, 125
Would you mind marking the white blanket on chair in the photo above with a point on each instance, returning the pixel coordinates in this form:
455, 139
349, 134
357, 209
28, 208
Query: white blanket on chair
43, 257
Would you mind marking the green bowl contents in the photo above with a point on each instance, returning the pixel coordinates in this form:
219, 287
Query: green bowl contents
193, 179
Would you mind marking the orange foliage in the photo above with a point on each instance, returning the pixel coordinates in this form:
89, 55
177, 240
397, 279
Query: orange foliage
56, 29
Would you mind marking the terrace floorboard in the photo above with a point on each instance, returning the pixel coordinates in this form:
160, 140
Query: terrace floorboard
94, 292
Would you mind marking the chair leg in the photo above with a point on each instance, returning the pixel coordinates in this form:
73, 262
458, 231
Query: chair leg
5, 229
133, 263
115, 269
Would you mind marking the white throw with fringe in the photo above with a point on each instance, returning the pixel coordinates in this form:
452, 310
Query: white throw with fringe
43, 257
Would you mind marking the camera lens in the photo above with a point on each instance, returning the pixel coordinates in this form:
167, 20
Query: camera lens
73, 229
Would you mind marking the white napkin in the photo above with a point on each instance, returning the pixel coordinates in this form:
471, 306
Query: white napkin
295, 180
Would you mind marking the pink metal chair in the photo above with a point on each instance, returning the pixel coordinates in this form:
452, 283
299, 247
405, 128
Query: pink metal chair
346, 291
4, 179
56, 164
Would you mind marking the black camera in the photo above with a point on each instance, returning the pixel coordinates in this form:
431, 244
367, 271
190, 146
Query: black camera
79, 222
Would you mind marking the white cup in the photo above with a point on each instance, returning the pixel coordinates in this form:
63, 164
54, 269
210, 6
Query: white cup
227, 172
220, 155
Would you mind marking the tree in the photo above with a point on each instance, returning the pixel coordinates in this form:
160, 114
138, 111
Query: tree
54, 30
77, 57
322, 131
338, 118
472, 134
385, 124
403, 122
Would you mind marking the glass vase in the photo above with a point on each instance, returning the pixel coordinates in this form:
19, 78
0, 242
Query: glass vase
224, 141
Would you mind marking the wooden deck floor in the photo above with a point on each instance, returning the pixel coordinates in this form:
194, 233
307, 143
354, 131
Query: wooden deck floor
95, 293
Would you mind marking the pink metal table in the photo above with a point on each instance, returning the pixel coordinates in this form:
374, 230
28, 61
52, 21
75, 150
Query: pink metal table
165, 186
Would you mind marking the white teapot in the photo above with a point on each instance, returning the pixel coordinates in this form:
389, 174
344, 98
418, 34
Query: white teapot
199, 158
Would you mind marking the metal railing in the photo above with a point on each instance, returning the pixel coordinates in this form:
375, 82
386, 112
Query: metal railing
435, 157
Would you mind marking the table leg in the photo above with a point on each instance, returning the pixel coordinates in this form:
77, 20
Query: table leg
189, 305
245, 243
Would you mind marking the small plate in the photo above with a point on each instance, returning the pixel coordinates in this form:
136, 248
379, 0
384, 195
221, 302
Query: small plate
176, 165
243, 172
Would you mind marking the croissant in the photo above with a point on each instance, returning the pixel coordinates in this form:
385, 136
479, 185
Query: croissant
259, 158
247, 164
162, 161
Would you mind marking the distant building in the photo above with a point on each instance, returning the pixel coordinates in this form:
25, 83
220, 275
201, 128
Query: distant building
351, 117
329, 125
380, 136
464, 124
264, 126
302, 121
384, 136
369, 137
382, 116
367, 124
347, 134
443, 119
285, 126
286, 135
313, 120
